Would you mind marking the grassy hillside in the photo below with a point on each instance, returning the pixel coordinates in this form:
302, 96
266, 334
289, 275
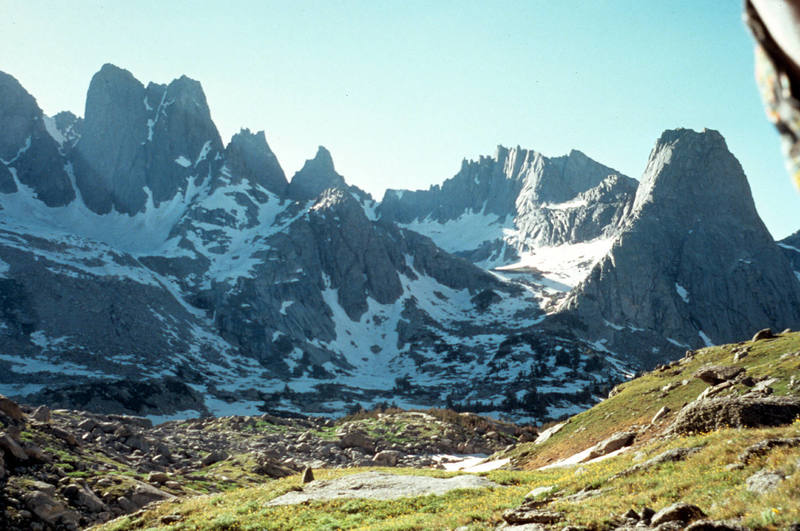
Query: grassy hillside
713, 476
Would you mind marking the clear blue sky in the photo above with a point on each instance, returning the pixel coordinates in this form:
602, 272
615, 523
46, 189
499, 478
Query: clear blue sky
401, 91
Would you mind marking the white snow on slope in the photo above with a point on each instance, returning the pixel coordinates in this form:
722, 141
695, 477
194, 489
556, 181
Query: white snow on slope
144, 233
705, 338
52, 130
682, 292
25, 147
564, 266
574, 203
464, 233
790, 247
4, 268
183, 161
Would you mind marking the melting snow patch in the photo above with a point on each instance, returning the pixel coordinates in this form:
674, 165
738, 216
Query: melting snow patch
705, 338
469, 463
575, 203
464, 233
677, 343
565, 265
203, 152
682, 292
4, 267
52, 130
183, 161
790, 247
21, 150
285, 305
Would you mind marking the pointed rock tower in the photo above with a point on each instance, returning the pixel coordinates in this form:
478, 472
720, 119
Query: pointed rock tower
694, 263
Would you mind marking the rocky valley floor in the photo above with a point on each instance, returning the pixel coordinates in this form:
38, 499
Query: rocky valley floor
711, 441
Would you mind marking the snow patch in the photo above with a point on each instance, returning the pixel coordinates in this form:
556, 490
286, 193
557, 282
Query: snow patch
790, 247
203, 152
678, 343
25, 147
466, 232
682, 292
705, 338
52, 130
574, 203
183, 161
565, 266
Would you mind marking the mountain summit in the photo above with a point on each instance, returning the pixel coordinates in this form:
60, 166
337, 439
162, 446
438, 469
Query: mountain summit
694, 263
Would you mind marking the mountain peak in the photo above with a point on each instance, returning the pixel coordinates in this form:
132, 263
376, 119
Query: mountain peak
695, 169
693, 235
248, 156
316, 175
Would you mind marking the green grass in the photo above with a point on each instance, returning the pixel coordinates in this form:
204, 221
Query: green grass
638, 400
702, 479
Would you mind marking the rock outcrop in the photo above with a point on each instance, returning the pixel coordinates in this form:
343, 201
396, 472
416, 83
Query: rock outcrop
316, 176
694, 263
547, 201
248, 156
141, 144
28, 153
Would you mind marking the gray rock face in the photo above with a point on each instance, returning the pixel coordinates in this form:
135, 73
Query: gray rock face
26, 148
138, 142
249, 157
735, 412
316, 175
547, 200
694, 257
380, 486
791, 248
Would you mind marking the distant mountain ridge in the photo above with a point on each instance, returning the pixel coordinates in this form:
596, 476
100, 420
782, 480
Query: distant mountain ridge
135, 243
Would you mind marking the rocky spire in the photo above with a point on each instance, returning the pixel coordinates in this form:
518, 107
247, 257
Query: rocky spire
694, 262
26, 148
138, 140
249, 157
316, 176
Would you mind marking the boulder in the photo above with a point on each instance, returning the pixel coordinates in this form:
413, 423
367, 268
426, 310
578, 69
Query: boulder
143, 494
87, 425
83, 496
522, 515
272, 469
716, 374
157, 477
214, 457
356, 439
762, 447
41, 414
12, 447
677, 512
387, 457
613, 443
735, 412
10, 408
764, 481
765, 333
308, 475
660, 414
50, 510
539, 491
